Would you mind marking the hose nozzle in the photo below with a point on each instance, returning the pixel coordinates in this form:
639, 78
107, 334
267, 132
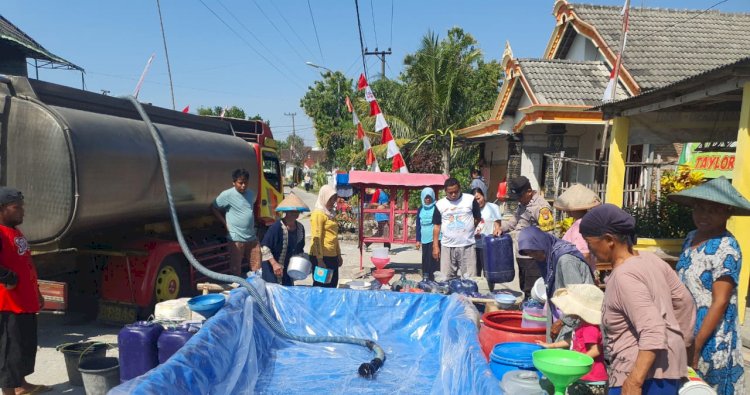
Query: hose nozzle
368, 369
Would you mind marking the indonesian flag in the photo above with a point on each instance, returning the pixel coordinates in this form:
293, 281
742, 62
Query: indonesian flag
349, 105
374, 108
380, 122
609, 92
186, 109
398, 164
360, 132
369, 95
392, 147
362, 83
370, 157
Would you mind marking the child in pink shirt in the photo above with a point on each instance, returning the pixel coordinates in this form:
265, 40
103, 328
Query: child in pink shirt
583, 301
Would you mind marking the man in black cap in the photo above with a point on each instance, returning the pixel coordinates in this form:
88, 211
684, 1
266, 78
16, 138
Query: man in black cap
20, 300
532, 210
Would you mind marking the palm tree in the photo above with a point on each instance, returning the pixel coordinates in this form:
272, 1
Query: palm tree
437, 75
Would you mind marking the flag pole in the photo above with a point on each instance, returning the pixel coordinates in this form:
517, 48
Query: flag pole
143, 75
616, 77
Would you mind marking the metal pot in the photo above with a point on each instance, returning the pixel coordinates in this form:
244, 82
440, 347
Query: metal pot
299, 267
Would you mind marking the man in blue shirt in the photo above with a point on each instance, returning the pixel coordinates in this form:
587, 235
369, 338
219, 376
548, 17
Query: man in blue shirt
234, 208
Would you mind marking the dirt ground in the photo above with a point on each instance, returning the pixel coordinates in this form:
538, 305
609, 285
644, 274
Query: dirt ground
55, 330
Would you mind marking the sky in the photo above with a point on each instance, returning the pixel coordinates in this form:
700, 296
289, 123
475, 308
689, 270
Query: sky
253, 53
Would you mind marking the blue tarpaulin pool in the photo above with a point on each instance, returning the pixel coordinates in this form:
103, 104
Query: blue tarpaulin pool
430, 343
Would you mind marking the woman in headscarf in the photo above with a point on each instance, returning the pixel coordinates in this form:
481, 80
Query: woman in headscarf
576, 201
563, 265
647, 315
430, 265
488, 225
325, 251
710, 266
283, 240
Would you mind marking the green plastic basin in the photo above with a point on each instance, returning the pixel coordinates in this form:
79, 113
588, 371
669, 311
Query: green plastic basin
562, 367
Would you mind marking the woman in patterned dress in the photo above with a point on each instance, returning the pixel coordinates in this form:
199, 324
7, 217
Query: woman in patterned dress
710, 268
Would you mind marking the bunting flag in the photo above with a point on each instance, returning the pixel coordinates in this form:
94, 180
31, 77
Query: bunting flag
186, 109
362, 83
381, 125
370, 158
609, 92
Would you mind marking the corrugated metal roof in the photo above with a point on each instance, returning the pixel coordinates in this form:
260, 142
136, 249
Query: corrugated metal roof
32, 49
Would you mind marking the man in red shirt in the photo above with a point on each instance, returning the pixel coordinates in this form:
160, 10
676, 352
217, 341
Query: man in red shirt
20, 300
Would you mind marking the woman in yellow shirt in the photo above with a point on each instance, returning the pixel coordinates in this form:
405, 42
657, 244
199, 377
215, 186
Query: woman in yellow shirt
325, 250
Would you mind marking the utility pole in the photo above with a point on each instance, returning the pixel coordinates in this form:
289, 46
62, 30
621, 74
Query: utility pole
292, 114
381, 55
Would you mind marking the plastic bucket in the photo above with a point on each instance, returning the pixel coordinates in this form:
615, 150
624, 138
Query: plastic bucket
506, 357
76, 353
530, 321
505, 326
100, 375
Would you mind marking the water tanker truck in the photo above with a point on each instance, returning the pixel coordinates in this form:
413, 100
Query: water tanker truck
96, 211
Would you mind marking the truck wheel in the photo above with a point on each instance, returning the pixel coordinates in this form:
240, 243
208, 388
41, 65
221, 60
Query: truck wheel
172, 280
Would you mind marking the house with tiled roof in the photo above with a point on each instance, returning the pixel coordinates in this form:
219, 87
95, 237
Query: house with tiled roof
544, 105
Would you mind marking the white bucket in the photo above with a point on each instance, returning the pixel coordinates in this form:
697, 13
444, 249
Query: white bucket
360, 285
696, 388
539, 291
380, 252
172, 310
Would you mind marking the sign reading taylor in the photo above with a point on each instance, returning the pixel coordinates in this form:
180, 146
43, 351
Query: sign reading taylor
711, 159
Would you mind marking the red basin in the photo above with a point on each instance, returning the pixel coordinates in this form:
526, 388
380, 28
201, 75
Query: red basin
505, 326
383, 275
380, 263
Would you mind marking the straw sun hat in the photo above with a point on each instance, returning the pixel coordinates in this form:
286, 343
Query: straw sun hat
583, 300
292, 203
577, 198
718, 190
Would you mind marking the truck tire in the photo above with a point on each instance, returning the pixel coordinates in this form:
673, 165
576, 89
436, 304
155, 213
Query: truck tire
172, 280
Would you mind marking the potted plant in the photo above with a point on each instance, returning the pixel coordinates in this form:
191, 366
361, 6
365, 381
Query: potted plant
662, 224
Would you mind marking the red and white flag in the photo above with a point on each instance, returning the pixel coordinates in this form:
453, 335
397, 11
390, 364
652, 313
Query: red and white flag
369, 95
186, 109
610, 91
399, 164
380, 122
374, 108
362, 83
349, 104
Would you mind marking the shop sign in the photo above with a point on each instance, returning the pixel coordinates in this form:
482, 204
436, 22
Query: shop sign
712, 160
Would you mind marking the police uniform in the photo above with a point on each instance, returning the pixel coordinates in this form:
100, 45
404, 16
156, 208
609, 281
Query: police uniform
537, 213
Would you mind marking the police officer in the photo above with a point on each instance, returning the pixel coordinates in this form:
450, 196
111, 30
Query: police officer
532, 210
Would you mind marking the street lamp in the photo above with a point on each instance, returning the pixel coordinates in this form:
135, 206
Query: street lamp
338, 85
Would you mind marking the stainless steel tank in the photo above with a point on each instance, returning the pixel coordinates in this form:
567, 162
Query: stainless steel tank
87, 162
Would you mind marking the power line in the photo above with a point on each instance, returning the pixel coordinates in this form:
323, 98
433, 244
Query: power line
372, 14
281, 14
278, 30
249, 45
391, 42
309, 7
361, 41
166, 53
239, 22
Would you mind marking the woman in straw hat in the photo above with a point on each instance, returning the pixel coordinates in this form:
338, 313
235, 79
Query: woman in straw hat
584, 302
710, 268
576, 201
283, 240
648, 315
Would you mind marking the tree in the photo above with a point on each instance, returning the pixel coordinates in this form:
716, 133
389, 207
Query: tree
324, 104
297, 150
231, 112
449, 88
